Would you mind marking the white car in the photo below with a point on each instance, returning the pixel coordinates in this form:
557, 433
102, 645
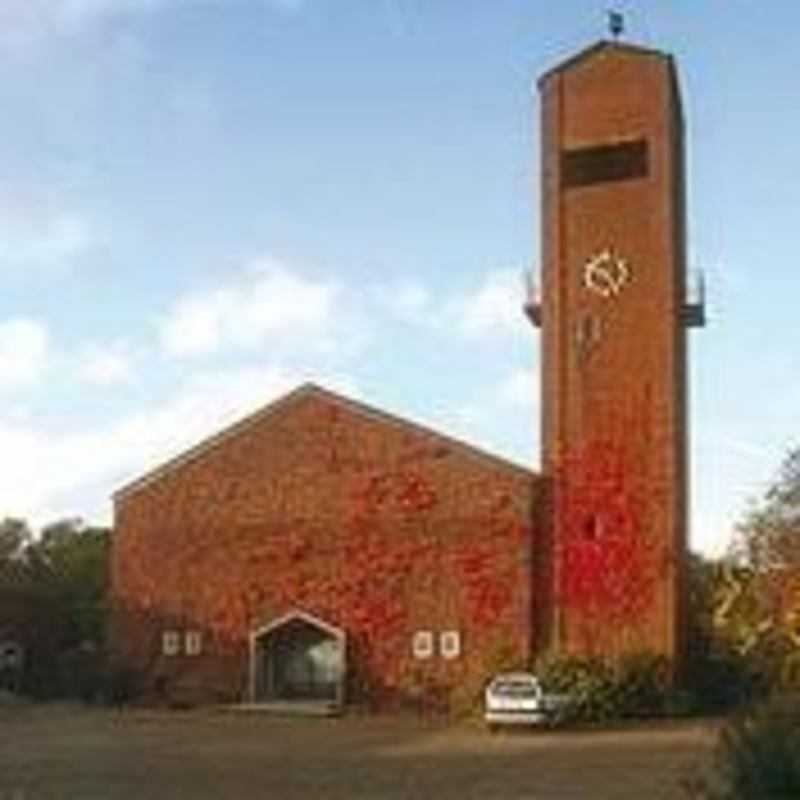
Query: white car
517, 698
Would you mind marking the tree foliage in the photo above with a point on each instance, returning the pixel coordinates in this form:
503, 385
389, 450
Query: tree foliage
757, 756
74, 559
719, 674
768, 538
14, 537
755, 596
53, 595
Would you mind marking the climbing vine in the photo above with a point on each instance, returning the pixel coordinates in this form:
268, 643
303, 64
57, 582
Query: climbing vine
607, 561
394, 552
401, 545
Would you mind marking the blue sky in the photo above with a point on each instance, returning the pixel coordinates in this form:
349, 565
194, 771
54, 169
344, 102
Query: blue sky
205, 202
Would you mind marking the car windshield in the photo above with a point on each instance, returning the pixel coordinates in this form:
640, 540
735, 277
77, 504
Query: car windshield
515, 688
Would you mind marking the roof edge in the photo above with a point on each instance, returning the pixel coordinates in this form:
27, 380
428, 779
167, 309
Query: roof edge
207, 443
304, 616
280, 403
592, 49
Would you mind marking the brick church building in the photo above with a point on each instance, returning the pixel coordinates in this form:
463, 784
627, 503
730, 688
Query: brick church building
324, 550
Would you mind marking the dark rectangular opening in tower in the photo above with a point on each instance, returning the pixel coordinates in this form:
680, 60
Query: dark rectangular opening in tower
586, 166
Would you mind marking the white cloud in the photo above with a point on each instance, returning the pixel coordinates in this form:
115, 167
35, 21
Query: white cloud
712, 533
409, 302
492, 309
520, 389
277, 310
268, 306
194, 324
36, 228
728, 471
44, 475
105, 365
23, 352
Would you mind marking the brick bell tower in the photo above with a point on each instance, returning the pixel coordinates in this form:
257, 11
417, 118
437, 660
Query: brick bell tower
613, 312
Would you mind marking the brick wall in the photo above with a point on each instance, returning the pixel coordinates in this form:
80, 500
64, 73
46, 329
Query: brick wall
377, 527
623, 393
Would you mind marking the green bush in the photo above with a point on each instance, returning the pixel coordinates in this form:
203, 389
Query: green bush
721, 680
636, 685
80, 673
643, 684
757, 756
588, 681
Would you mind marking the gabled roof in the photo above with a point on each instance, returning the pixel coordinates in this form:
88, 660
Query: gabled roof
298, 615
598, 47
284, 404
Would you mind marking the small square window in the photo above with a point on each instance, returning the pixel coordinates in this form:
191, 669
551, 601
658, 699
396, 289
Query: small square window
450, 644
194, 643
170, 643
422, 644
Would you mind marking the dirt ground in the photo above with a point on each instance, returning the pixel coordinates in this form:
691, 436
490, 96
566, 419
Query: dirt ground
80, 754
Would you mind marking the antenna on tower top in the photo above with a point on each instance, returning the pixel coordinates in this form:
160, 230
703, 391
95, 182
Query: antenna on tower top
616, 24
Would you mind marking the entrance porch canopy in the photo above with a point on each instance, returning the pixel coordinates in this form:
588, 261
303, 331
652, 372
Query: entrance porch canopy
298, 659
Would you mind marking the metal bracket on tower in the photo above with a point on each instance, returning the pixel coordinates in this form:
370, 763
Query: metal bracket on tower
694, 306
532, 306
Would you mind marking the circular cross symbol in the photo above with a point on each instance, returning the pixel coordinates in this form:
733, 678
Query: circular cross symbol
605, 274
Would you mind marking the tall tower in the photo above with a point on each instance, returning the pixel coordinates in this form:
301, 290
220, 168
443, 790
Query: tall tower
613, 314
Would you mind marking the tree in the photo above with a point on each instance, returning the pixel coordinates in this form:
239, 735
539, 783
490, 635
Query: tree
718, 672
15, 535
768, 538
756, 604
53, 595
73, 560
757, 756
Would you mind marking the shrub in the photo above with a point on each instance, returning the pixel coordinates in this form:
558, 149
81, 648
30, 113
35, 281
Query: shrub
637, 685
757, 756
122, 684
720, 680
642, 684
80, 673
588, 681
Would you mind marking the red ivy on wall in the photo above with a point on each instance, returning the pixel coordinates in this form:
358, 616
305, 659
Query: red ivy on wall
489, 588
397, 554
606, 560
389, 542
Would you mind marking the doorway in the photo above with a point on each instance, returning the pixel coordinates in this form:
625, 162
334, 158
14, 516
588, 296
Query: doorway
298, 658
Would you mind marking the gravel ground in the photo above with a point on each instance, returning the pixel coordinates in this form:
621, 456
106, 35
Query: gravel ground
62, 752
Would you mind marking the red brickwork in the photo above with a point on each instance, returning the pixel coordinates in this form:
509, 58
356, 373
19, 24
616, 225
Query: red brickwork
382, 528
377, 526
613, 365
